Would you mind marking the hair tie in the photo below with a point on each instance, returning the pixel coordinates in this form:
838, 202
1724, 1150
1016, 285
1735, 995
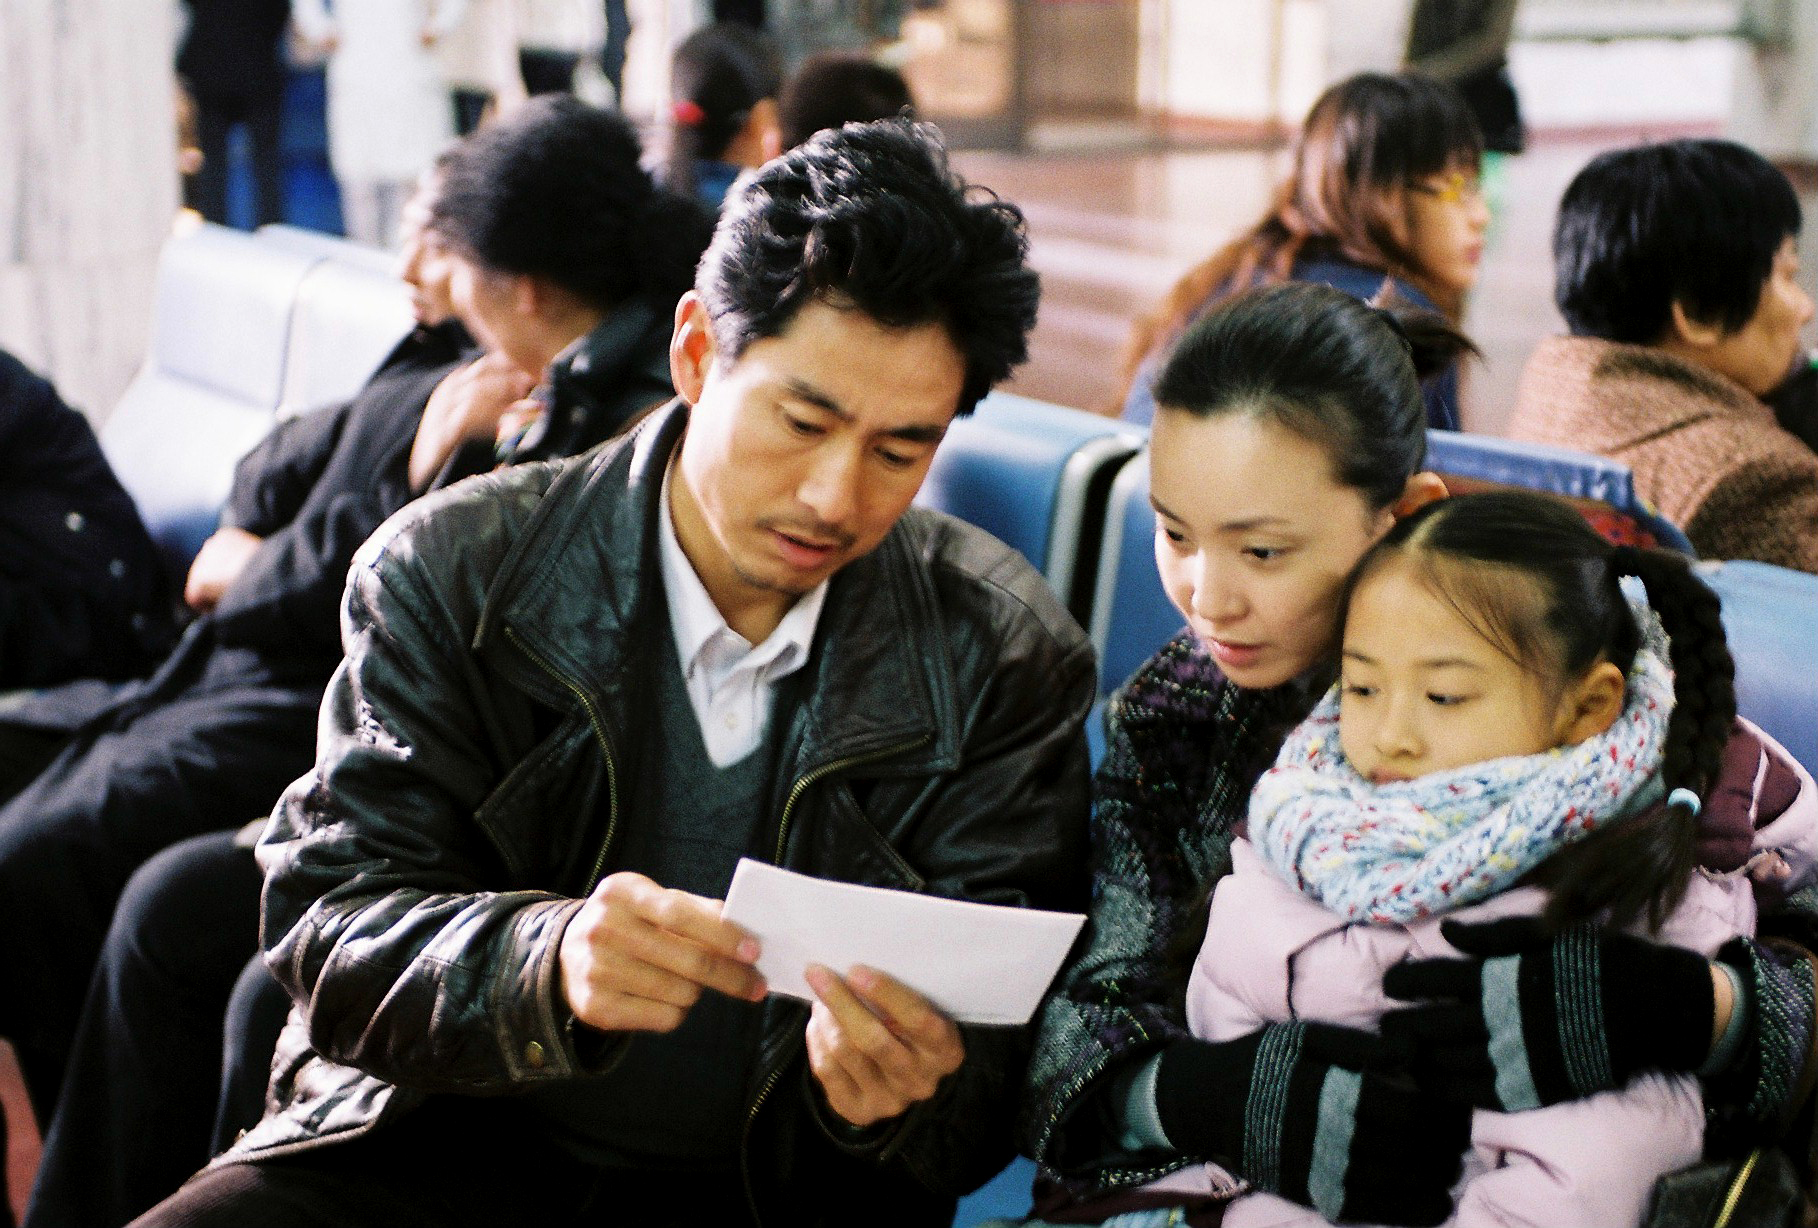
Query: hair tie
1625, 561
1687, 798
688, 113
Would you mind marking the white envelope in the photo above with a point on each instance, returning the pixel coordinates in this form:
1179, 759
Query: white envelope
979, 963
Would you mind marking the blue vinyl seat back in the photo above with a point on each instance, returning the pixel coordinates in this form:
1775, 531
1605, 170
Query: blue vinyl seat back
348, 317
211, 382
1131, 614
1005, 1196
1770, 617
1579, 476
1035, 476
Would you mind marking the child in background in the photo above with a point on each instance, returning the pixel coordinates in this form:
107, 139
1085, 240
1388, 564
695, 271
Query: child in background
1511, 735
724, 83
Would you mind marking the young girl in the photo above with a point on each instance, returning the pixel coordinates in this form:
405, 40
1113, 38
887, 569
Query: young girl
1511, 734
1383, 189
724, 81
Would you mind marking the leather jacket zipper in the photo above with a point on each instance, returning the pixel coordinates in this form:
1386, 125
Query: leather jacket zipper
600, 736
782, 836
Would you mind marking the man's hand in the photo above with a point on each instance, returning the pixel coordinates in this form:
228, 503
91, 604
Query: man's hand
218, 564
637, 956
877, 1047
467, 404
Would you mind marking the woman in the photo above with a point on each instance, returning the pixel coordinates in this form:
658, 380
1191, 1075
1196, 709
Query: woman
1677, 272
1383, 191
1306, 380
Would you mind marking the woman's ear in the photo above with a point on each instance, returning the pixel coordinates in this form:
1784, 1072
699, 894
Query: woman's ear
691, 348
1423, 488
1592, 704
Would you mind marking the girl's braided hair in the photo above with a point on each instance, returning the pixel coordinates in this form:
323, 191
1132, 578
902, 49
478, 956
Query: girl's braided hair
1536, 580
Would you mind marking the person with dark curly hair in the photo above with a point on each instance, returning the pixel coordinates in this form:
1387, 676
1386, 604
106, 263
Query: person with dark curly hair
576, 694
122, 858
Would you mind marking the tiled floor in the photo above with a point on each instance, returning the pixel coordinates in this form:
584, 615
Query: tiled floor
1111, 233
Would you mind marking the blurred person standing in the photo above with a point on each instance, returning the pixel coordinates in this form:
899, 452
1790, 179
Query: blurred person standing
230, 63
803, 27
1466, 43
388, 107
554, 36
480, 63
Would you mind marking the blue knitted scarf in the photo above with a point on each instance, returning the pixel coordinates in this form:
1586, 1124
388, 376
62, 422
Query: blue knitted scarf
1397, 852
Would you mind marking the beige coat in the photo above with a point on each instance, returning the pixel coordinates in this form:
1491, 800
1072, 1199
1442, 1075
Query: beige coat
1704, 451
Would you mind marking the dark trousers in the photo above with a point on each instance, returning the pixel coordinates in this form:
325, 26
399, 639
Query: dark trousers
155, 1083
216, 118
450, 1163
612, 58
547, 72
208, 747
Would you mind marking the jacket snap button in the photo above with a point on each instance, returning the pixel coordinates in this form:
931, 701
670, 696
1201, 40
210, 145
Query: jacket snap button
533, 1055
75, 522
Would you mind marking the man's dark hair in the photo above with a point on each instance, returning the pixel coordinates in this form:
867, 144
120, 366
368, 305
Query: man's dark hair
832, 88
870, 217
554, 190
1692, 222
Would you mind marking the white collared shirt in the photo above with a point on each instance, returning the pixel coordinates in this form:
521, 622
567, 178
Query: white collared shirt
731, 682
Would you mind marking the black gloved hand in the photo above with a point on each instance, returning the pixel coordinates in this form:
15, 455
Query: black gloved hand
1538, 1019
1304, 1111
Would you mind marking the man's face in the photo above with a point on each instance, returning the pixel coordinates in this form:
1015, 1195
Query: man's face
802, 453
423, 263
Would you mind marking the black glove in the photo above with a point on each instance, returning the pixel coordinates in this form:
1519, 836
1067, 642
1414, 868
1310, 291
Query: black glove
1303, 1110
1538, 1019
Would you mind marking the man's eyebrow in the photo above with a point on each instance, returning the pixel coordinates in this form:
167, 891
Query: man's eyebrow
802, 390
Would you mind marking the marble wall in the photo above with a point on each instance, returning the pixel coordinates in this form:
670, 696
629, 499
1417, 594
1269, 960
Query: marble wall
88, 185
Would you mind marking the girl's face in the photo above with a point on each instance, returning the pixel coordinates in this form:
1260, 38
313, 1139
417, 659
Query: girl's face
1447, 216
1254, 537
1422, 690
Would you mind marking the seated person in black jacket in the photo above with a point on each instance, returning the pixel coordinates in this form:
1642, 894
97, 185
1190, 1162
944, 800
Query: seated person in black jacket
581, 260
82, 593
577, 693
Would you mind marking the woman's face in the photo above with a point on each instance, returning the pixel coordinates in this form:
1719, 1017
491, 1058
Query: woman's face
1447, 216
1254, 537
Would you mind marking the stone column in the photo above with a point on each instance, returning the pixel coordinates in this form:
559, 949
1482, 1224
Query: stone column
88, 186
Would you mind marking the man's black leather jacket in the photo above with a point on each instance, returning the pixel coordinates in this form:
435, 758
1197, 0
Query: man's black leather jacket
470, 782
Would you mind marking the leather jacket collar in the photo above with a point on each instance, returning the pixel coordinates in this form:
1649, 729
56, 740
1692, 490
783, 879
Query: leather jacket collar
574, 593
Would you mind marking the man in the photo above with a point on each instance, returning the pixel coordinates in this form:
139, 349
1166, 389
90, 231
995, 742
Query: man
577, 694
1677, 273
